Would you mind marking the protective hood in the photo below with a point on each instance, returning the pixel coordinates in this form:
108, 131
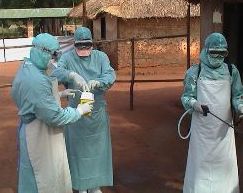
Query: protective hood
83, 38
214, 42
82, 33
44, 46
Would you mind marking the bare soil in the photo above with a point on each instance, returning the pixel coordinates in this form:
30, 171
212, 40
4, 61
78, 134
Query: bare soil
148, 155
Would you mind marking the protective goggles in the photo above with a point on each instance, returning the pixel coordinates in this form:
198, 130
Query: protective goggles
218, 53
54, 54
83, 45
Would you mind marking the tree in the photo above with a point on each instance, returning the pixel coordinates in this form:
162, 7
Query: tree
50, 25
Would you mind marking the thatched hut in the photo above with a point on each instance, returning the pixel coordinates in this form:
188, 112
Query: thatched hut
122, 19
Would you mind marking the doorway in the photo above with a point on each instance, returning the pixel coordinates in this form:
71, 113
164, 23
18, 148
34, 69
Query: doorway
233, 31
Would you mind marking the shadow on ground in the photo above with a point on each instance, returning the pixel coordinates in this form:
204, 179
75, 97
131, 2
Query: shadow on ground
148, 155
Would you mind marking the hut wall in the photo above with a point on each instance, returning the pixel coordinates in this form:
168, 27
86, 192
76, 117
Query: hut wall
157, 52
111, 27
110, 48
97, 29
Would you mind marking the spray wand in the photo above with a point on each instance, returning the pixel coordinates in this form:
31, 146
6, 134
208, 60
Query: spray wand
206, 111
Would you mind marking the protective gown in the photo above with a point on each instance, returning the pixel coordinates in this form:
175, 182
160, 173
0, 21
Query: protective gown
43, 165
88, 140
212, 163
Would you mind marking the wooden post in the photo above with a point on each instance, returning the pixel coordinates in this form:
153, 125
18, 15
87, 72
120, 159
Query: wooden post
206, 20
188, 35
218, 10
30, 28
4, 50
133, 73
84, 14
65, 24
4, 46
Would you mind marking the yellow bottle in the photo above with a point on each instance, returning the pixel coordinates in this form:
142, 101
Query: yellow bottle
86, 97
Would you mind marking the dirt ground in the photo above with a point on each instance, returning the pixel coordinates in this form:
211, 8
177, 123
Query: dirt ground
148, 155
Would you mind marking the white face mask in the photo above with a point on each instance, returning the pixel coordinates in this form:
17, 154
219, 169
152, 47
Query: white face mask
84, 52
51, 66
215, 62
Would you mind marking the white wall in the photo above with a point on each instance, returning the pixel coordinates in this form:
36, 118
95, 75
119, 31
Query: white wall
20, 53
15, 53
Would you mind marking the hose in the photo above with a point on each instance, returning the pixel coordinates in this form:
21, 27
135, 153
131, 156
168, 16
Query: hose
179, 125
206, 110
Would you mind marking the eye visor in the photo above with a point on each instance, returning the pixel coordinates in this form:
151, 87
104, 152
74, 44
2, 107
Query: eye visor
218, 53
54, 54
83, 44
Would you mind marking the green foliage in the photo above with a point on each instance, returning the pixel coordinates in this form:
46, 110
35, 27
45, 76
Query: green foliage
19, 30
13, 28
11, 4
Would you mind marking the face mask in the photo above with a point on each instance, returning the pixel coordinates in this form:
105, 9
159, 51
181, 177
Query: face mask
51, 66
83, 52
215, 62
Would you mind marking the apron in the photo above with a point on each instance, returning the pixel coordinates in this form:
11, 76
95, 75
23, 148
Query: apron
47, 154
212, 163
89, 150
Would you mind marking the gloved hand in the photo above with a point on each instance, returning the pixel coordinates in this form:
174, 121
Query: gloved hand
85, 108
67, 92
93, 84
79, 80
197, 107
95, 190
240, 109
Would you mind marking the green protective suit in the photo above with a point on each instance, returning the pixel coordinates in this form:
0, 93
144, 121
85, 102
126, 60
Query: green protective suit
88, 140
32, 92
207, 72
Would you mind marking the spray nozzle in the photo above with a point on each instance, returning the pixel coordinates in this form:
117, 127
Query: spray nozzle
205, 110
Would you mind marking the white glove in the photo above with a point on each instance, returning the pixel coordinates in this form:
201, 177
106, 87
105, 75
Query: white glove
240, 109
85, 108
79, 80
67, 92
93, 84
197, 107
95, 190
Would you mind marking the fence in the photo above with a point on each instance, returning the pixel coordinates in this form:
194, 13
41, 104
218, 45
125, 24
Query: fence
67, 43
17, 49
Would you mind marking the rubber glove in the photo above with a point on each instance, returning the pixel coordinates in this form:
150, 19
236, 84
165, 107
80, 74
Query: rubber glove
66, 93
93, 84
197, 107
95, 190
79, 80
240, 109
85, 108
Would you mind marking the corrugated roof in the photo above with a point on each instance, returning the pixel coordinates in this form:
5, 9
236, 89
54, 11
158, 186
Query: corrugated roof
33, 13
129, 9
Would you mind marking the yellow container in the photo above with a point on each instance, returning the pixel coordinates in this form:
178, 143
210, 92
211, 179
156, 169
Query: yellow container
86, 97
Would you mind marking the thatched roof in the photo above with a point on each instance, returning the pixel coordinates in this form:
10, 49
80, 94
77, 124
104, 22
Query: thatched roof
193, 1
129, 9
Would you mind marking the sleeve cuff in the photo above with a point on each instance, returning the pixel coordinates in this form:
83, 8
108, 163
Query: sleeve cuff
240, 107
192, 102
